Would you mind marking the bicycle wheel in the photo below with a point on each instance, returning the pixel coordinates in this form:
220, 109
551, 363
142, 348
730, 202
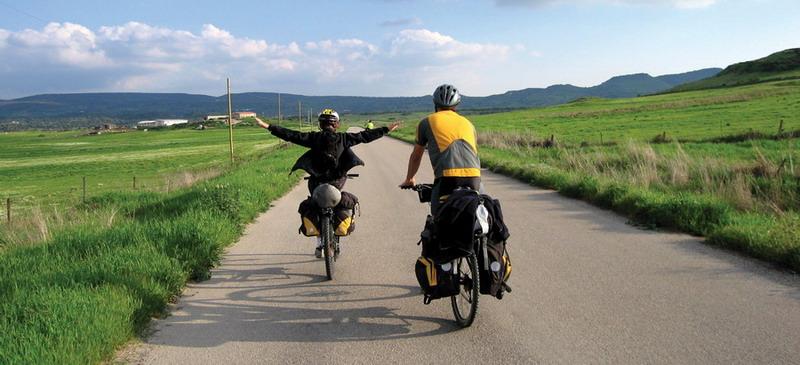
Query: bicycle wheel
328, 247
465, 303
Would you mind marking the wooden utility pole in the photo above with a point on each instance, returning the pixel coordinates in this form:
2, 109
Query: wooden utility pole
279, 108
230, 119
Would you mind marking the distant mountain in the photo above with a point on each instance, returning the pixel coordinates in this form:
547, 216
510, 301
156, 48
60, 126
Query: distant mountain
777, 66
617, 87
87, 109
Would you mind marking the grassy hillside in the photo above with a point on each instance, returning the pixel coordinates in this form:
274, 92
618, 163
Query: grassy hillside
784, 65
691, 116
711, 162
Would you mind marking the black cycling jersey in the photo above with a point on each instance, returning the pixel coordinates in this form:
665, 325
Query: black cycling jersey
330, 156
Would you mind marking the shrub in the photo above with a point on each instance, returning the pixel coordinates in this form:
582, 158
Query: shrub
661, 138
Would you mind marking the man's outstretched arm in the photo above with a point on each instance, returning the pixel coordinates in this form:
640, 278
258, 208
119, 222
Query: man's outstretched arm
300, 138
369, 135
261, 123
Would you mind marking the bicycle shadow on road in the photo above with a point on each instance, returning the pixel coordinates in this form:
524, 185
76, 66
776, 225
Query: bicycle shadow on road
271, 303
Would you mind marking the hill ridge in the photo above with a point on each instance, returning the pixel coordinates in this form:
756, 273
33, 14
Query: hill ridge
777, 66
86, 109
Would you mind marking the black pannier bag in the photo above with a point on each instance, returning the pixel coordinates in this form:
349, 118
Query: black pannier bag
451, 233
436, 280
494, 266
494, 263
309, 218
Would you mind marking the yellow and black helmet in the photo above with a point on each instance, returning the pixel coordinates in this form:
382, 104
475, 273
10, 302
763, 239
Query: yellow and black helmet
328, 119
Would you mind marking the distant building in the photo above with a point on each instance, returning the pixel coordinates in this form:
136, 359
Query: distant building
216, 117
242, 115
160, 123
107, 126
236, 115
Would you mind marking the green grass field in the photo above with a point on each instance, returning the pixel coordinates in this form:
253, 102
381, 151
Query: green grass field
48, 167
694, 115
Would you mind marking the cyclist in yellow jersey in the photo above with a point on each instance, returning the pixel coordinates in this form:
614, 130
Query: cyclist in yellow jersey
452, 144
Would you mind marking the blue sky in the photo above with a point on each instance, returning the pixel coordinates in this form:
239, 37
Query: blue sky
374, 47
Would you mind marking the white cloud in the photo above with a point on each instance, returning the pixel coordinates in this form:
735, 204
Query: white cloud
426, 43
684, 4
66, 43
4, 34
66, 57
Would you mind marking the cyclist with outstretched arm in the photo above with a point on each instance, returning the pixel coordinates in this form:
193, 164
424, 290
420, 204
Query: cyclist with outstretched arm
329, 156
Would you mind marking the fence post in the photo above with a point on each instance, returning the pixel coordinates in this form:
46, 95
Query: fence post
83, 197
134, 183
780, 129
8, 209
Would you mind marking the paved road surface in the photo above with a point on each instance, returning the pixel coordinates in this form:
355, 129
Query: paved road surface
587, 289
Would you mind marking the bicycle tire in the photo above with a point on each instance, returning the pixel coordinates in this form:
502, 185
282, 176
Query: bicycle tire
328, 248
469, 291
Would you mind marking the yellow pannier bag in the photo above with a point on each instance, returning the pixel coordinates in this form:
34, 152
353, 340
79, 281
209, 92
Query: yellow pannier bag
345, 222
309, 229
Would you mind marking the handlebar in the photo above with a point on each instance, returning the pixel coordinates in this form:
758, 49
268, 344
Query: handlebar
423, 191
418, 187
349, 176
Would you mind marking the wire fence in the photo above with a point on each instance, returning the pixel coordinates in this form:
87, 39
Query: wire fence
86, 187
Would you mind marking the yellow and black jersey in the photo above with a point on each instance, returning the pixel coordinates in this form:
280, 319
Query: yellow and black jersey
452, 144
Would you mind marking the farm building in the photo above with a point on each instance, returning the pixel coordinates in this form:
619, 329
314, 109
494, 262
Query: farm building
160, 123
242, 115
216, 117
236, 115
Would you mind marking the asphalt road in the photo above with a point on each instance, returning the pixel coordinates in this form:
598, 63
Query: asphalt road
588, 288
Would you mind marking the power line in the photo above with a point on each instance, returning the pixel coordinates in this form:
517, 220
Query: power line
24, 13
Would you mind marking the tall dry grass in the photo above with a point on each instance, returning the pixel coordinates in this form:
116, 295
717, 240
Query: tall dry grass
185, 179
516, 140
38, 223
760, 185
35, 222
